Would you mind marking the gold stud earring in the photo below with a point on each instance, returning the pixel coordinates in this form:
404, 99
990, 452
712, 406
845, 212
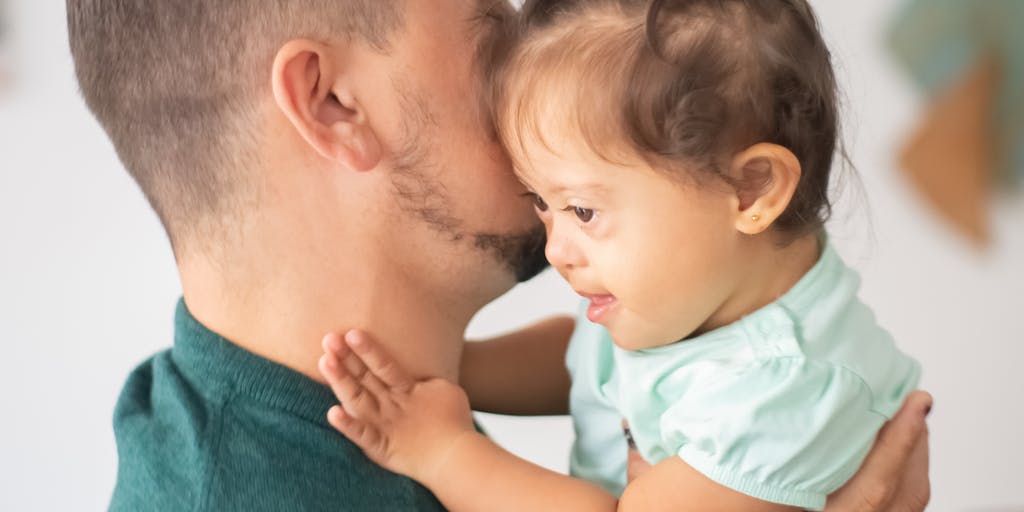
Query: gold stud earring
755, 217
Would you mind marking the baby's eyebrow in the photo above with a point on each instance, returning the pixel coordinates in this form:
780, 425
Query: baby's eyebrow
583, 187
593, 187
561, 189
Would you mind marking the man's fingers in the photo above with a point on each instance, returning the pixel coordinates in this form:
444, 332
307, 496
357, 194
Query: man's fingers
880, 481
915, 491
899, 437
378, 361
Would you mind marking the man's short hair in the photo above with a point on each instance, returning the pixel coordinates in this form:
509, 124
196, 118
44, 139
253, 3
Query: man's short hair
174, 84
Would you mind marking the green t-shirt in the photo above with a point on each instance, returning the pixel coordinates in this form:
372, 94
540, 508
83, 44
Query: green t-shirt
209, 426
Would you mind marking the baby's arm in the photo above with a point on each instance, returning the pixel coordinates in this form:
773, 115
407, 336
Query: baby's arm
520, 373
424, 430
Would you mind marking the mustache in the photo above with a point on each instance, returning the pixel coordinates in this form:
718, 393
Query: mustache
522, 253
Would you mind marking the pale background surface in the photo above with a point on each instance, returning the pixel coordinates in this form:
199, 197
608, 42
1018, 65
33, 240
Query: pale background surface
87, 285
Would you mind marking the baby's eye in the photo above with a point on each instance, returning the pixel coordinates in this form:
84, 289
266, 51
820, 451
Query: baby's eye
584, 214
538, 202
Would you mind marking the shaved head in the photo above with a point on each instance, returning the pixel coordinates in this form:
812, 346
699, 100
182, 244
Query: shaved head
175, 85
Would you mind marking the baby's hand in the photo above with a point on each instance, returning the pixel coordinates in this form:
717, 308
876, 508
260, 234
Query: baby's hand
404, 425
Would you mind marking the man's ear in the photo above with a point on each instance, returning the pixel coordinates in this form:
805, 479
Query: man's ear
765, 177
312, 92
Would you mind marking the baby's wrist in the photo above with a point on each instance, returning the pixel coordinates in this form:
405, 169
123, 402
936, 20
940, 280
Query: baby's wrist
446, 458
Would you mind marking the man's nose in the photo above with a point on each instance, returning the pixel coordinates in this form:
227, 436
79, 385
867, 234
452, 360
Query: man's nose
562, 251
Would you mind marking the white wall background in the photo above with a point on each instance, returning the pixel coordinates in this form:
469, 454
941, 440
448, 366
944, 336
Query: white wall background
87, 285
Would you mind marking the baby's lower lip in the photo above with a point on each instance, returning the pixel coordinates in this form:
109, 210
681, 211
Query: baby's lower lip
600, 306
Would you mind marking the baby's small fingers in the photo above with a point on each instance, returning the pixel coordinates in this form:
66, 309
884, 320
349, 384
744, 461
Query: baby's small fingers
334, 343
359, 432
353, 363
333, 372
356, 367
345, 423
349, 390
339, 420
382, 365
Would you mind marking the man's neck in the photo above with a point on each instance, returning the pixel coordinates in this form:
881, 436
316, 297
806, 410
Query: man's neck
282, 311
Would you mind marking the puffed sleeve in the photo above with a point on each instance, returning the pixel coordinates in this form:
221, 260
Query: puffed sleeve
786, 430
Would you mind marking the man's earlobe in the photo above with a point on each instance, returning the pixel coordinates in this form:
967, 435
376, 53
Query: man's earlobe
310, 89
765, 177
357, 145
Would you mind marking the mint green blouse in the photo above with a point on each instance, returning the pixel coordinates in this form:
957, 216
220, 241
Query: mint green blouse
782, 405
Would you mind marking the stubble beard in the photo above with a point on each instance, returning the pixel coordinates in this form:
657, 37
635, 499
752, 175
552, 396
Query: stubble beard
429, 201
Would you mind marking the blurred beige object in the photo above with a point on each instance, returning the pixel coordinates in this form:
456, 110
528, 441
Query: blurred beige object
6, 73
6, 59
951, 158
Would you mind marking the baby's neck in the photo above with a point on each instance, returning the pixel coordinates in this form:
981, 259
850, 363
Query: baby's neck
773, 270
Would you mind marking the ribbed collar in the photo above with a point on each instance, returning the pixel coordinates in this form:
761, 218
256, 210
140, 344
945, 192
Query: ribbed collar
215, 364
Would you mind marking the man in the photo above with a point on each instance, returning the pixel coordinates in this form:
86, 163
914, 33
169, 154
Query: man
318, 165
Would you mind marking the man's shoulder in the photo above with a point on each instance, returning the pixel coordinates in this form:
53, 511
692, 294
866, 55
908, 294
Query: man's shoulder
183, 445
160, 424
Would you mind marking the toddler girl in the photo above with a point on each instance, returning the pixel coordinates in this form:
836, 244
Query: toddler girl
679, 154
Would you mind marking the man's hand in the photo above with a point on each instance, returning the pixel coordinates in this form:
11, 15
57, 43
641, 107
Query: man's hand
406, 426
895, 475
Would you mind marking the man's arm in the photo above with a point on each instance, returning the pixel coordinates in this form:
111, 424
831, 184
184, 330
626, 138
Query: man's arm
521, 373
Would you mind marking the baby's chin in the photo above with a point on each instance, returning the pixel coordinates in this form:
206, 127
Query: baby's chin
636, 339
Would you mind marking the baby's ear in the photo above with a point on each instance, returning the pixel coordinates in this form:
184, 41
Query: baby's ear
765, 177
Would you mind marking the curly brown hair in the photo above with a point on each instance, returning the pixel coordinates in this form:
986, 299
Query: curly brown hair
682, 84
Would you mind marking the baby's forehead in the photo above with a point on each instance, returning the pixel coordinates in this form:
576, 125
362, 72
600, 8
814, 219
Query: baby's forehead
557, 82
556, 130
555, 184
537, 155
571, 167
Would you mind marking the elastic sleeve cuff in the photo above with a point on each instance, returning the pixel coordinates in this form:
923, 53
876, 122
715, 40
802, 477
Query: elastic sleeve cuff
808, 500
